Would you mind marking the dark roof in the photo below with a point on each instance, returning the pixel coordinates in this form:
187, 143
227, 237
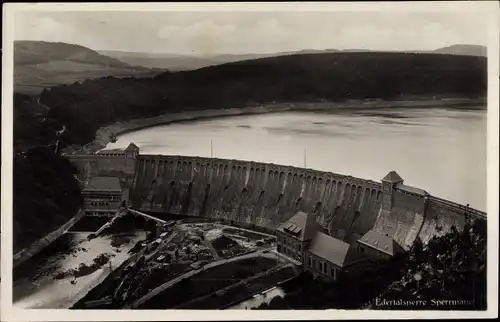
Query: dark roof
111, 151
393, 177
132, 146
301, 225
380, 242
412, 189
329, 248
109, 184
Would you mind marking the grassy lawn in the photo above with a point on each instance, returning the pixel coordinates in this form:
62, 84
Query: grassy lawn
208, 281
241, 292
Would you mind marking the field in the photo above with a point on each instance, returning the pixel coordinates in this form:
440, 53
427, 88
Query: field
241, 292
32, 79
209, 281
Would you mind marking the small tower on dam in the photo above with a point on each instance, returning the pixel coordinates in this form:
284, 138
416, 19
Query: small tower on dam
131, 153
389, 183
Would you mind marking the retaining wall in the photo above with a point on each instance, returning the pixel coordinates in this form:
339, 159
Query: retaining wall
25, 254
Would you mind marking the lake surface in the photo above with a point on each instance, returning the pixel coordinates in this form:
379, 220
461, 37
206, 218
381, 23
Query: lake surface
441, 150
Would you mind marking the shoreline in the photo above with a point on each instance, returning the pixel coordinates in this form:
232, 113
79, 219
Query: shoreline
104, 134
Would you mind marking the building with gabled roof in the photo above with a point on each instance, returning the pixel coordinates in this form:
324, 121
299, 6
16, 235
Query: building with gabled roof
294, 235
103, 196
302, 239
103, 184
374, 242
301, 226
329, 248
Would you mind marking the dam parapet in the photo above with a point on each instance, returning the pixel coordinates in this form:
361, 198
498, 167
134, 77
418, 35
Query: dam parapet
267, 195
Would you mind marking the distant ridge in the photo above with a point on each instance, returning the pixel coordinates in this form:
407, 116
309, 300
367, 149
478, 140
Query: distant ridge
177, 62
464, 50
27, 52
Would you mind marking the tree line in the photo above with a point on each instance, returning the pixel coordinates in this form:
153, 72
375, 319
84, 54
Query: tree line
86, 106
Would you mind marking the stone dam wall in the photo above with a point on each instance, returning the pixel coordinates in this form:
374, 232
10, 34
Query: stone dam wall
90, 165
267, 195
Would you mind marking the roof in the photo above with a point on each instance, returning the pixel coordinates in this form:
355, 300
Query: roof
111, 151
393, 177
412, 189
380, 242
301, 225
109, 184
329, 248
132, 146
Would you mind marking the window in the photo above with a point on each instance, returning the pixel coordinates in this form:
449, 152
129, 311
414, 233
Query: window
309, 261
320, 266
332, 272
361, 249
324, 268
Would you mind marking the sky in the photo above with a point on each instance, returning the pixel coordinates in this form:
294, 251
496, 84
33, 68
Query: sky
239, 32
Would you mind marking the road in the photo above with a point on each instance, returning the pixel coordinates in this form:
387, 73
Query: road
162, 245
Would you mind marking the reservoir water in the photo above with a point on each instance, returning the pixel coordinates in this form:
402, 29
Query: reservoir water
441, 150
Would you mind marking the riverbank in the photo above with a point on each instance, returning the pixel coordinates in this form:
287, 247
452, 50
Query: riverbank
104, 134
62, 277
28, 252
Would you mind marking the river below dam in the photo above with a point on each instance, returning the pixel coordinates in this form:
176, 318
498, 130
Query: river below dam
441, 150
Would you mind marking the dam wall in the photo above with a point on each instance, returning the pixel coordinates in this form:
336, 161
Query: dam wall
421, 215
255, 193
91, 165
267, 195
442, 214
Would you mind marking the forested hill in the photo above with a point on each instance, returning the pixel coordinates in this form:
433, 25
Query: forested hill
38, 52
46, 193
39, 64
83, 108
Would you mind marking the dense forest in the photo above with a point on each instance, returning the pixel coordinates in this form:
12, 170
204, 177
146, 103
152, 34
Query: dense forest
448, 273
84, 107
45, 191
